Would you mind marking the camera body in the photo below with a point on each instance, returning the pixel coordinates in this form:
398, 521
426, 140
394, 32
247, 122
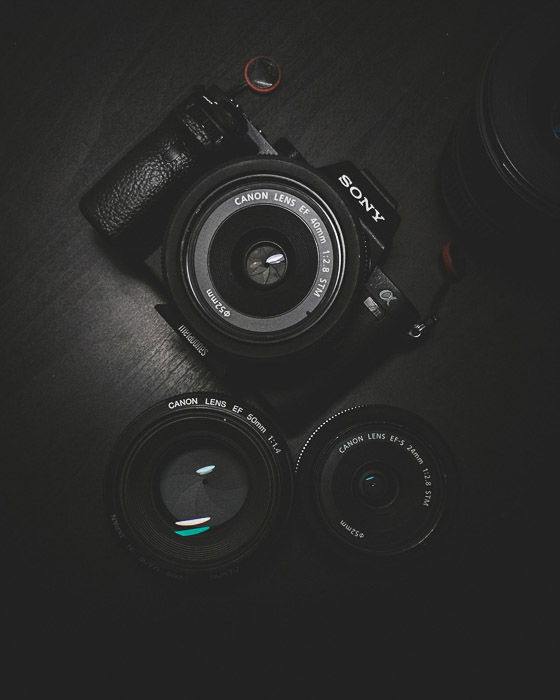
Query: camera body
269, 265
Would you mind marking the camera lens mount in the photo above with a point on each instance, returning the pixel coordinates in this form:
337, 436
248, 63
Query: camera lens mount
376, 483
197, 484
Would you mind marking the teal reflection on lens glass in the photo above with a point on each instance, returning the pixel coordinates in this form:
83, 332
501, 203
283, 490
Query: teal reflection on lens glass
192, 531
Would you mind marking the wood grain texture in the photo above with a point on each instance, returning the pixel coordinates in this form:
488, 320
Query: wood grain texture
83, 352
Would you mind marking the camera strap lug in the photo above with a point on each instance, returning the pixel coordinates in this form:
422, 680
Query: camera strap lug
454, 267
420, 328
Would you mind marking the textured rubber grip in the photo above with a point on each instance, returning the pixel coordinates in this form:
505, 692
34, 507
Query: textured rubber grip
131, 203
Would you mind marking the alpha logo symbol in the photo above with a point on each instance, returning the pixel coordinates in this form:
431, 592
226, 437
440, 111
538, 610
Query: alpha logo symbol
387, 296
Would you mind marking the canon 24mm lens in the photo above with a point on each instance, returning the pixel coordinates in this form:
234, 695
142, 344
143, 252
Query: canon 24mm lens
376, 484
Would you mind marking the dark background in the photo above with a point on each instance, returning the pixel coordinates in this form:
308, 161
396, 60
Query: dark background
83, 352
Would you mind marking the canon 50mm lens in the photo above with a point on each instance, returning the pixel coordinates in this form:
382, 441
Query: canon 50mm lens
197, 485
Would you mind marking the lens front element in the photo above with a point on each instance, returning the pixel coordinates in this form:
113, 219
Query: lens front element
377, 485
203, 484
266, 264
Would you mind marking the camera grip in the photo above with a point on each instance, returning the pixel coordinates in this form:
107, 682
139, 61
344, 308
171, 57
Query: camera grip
130, 204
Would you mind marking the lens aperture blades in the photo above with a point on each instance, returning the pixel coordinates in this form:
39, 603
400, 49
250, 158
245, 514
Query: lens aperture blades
266, 264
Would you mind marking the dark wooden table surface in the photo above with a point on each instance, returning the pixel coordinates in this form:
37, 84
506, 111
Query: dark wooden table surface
83, 352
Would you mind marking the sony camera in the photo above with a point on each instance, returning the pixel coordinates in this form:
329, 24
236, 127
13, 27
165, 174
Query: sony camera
270, 266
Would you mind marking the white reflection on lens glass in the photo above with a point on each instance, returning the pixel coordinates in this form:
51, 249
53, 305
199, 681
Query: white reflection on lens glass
193, 521
274, 259
206, 470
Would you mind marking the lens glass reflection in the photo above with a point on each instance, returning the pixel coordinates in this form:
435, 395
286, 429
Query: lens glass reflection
377, 485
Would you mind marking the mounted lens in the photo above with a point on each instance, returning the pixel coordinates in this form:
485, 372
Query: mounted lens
376, 483
197, 485
263, 258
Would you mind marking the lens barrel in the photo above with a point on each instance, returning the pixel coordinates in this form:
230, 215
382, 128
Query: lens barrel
197, 484
500, 172
376, 483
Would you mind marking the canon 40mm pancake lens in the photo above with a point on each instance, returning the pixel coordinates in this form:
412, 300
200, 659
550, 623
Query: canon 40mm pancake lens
263, 258
376, 483
197, 484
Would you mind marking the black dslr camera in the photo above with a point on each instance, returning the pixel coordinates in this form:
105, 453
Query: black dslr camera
271, 265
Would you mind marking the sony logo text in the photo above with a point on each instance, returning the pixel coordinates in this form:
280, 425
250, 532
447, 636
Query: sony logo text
356, 192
